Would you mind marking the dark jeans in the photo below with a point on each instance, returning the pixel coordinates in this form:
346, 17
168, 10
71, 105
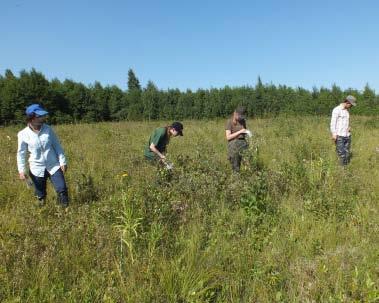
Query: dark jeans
343, 149
58, 181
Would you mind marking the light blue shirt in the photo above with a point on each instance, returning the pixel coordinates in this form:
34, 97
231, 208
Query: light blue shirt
45, 151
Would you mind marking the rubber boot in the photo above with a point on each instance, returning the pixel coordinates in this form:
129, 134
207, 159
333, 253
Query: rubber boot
63, 199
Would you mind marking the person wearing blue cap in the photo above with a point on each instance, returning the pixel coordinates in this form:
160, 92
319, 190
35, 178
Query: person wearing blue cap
46, 156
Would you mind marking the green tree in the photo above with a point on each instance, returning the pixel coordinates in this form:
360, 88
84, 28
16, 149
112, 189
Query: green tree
150, 101
184, 105
33, 88
99, 108
12, 106
134, 97
78, 96
116, 102
57, 103
369, 98
73, 101
133, 82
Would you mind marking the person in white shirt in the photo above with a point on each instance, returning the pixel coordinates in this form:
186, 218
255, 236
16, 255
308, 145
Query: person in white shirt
46, 156
340, 129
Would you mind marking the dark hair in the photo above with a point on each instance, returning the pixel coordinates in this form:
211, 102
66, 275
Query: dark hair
168, 127
30, 117
241, 110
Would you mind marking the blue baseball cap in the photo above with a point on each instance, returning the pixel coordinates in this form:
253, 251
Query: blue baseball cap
35, 109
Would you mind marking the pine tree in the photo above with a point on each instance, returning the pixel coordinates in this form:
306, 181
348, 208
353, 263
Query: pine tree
133, 82
134, 97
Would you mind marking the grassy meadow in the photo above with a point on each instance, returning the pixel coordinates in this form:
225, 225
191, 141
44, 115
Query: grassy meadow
293, 226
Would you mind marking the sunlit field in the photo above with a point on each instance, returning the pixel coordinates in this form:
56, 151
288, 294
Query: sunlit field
293, 226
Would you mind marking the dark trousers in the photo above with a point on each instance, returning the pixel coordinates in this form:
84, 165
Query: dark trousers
235, 150
58, 181
343, 149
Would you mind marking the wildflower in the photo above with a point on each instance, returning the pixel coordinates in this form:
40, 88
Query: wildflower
9, 138
121, 175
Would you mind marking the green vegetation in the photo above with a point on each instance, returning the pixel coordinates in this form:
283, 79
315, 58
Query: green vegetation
292, 227
73, 102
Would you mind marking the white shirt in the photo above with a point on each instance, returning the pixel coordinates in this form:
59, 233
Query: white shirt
45, 151
339, 124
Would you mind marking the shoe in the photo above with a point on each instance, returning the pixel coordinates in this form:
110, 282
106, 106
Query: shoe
41, 202
64, 205
63, 199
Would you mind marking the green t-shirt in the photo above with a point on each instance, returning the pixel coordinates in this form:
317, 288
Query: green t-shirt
160, 139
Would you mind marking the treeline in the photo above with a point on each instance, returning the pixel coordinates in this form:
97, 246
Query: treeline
70, 101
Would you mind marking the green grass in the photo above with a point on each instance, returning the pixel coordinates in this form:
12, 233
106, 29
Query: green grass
293, 227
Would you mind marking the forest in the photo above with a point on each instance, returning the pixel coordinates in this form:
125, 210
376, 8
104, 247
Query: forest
69, 101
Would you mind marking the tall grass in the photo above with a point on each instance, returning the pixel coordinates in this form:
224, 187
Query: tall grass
293, 226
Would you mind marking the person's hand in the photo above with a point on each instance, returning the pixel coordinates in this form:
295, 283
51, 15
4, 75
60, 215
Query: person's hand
162, 159
243, 131
334, 138
22, 176
64, 168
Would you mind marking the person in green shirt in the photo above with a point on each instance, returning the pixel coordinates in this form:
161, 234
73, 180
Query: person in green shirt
155, 149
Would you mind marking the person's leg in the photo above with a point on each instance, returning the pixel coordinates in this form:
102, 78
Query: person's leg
239, 149
59, 183
347, 145
236, 162
340, 148
39, 187
242, 150
234, 155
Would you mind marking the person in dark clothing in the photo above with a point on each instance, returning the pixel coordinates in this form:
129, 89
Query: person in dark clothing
236, 131
155, 149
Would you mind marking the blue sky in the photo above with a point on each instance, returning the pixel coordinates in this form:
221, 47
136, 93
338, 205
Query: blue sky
194, 44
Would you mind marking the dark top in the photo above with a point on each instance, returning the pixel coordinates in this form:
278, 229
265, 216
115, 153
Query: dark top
160, 139
236, 127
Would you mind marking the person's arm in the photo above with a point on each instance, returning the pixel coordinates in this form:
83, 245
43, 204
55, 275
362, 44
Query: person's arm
156, 137
59, 150
228, 131
333, 124
230, 136
21, 154
154, 149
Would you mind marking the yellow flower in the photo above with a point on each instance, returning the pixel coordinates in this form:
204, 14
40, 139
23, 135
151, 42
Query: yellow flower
124, 175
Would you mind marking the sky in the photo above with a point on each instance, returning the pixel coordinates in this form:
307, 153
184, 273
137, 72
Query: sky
194, 44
